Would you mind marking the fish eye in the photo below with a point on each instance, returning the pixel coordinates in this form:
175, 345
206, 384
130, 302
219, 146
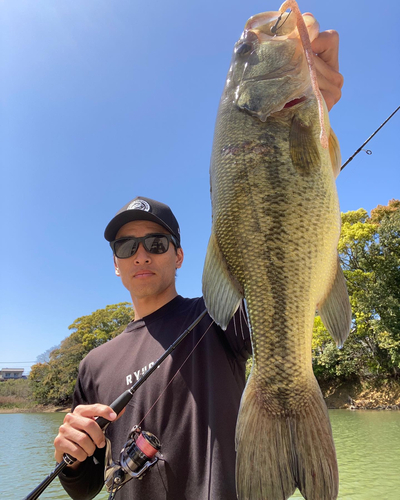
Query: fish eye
243, 48
246, 42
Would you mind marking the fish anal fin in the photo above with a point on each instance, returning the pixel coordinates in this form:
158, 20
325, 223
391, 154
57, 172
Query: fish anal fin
335, 308
222, 293
303, 147
334, 152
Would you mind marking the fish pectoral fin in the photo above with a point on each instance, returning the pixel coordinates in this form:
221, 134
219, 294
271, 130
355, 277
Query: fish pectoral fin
222, 293
334, 152
335, 309
303, 147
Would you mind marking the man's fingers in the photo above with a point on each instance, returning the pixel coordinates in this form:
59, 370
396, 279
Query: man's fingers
80, 434
330, 75
326, 60
330, 82
75, 426
79, 437
326, 45
78, 446
96, 410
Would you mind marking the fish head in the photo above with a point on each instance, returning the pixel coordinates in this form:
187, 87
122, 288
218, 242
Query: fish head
269, 69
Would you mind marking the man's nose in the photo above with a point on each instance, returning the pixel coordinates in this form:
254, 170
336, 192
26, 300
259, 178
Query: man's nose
142, 255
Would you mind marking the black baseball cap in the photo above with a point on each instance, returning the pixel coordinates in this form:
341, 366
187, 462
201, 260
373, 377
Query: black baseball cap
141, 208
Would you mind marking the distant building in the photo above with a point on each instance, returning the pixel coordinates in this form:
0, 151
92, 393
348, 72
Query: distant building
11, 373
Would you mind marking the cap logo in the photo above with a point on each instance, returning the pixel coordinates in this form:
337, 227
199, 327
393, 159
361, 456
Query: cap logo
139, 205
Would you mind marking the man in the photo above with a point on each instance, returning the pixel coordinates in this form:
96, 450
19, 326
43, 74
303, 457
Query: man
195, 417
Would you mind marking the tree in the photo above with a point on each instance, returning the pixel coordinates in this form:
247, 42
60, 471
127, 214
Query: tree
101, 326
53, 382
369, 250
45, 356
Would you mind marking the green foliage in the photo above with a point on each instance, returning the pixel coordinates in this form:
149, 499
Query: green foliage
15, 394
53, 382
369, 250
19, 388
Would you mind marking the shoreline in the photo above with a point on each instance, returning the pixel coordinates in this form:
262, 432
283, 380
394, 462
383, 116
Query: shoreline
368, 394
36, 409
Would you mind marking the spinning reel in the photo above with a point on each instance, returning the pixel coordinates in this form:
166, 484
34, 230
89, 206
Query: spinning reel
137, 456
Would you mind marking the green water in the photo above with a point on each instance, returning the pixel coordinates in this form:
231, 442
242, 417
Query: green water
27, 455
367, 445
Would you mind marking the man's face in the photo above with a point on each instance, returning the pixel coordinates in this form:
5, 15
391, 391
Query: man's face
145, 274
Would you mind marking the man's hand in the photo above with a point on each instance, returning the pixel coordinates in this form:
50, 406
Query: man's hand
326, 60
79, 434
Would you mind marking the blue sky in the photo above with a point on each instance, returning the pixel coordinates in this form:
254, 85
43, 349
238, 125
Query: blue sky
102, 101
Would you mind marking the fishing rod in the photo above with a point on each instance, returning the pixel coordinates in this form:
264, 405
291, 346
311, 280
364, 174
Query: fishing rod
118, 405
369, 138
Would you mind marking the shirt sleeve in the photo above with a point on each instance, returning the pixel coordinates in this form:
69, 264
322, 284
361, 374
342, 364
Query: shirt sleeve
87, 481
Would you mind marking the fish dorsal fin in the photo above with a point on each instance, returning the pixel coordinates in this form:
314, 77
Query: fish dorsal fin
222, 293
335, 309
334, 152
304, 151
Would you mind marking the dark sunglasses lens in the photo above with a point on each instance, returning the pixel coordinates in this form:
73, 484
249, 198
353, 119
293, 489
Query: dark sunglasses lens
156, 244
124, 249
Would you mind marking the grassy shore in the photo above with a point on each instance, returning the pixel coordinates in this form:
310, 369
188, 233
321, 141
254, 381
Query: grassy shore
12, 404
369, 394
16, 397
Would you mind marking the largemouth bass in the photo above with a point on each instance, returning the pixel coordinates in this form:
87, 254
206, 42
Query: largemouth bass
275, 230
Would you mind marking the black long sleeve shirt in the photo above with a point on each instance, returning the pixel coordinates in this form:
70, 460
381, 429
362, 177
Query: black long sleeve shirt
194, 419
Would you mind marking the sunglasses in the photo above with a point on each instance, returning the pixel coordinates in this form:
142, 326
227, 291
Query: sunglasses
124, 248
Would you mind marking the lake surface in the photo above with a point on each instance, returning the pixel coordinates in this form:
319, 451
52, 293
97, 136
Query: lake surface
367, 445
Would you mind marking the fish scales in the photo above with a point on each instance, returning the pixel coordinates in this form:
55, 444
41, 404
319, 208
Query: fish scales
272, 214
276, 224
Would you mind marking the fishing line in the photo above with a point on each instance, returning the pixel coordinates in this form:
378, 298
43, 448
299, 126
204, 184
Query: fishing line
178, 370
369, 138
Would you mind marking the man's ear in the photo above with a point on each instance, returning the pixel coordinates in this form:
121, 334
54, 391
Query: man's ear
116, 267
179, 258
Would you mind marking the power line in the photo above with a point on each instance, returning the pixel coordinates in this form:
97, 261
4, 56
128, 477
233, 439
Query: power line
21, 362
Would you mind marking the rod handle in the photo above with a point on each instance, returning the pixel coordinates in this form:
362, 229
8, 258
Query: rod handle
118, 405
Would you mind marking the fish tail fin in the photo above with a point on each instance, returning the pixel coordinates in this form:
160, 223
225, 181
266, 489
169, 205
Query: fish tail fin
277, 452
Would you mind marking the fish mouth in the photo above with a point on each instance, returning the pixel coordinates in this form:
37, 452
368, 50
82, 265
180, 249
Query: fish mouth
293, 102
271, 24
279, 26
